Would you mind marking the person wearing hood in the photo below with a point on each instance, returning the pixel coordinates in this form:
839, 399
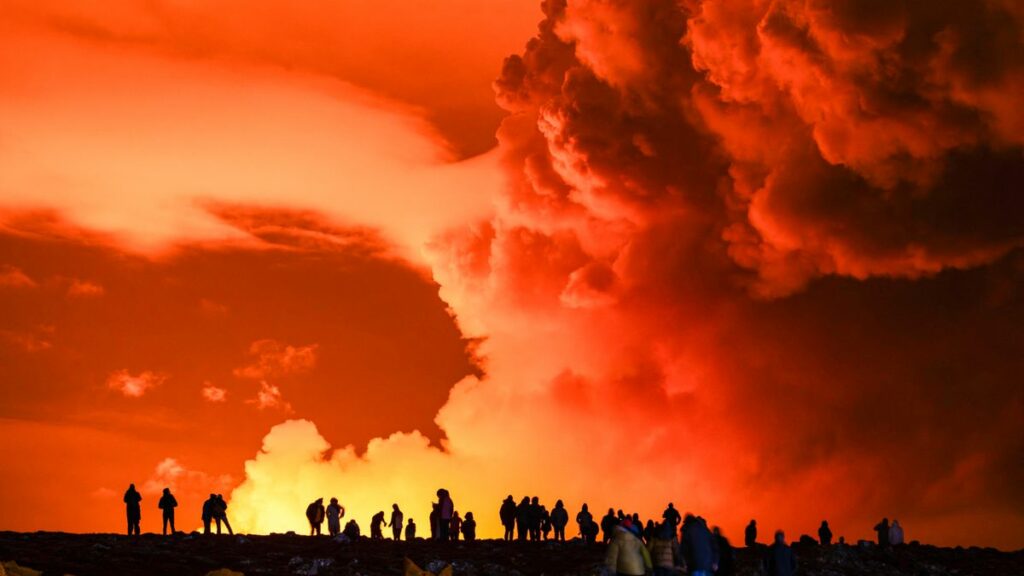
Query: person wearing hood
220, 513
397, 517
410, 530
315, 513
825, 534
133, 510
469, 527
664, 549
445, 511
895, 533
699, 547
507, 513
726, 558
627, 555
456, 526
208, 512
750, 534
882, 530
779, 559
671, 516
608, 524
523, 518
167, 504
559, 518
335, 512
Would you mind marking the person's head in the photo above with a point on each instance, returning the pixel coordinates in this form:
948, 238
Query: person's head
220, 497
895, 522
780, 537
394, 507
885, 520
753, 522
469, 515
510, 498
334, 500
636, 518
131, 487
824, 522
411, 521
559, 504
716, 531
584, 506
535, 501
526, 500
688, 519
167, 491
213, 496
671, 506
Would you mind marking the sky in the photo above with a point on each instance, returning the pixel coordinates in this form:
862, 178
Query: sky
762, 259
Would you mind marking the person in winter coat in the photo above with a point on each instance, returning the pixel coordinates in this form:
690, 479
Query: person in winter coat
559, 518
895, 533
608, 524
626, 554
456, 526
779, 559
750, 535
671, 516
882, 530
352, 531
433, 520
507, 513
133, 509
315, 513
523, 518
167, 504
726, 558
208, 514
664, 549
220, 513
410, 530
396, 522
377, 526
698, 547
586, 523
335, 512
445, 511
469, 527
825, 534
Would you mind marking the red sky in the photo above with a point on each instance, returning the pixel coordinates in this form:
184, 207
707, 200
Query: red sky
762, 259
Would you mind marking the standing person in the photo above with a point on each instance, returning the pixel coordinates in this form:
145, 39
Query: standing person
559, 518
664, 549
167, 504
445, 511
882, 529
220, 513
895, 533
779, 560
507, 513
208, 513
698, 547
433, 520
523, 518
315, 513
825, 534
133, 510
469, 527
534, 519
396, 522
626, 554
377, 526
650, 530
456, 526
608, 524
410, 530
671, 516
750, 535
545, 522
583, 520
726, 558
335, 512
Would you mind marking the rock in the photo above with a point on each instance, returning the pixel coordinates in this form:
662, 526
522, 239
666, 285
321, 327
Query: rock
224, 572
12, 569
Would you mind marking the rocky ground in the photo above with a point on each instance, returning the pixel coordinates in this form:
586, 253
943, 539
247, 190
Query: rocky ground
106, 554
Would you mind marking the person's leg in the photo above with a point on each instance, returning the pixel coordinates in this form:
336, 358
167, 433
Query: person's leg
218, 524
206, 525
173, 529
228, 524
165, 524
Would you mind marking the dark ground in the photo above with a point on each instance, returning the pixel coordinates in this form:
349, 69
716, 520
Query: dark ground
186, 555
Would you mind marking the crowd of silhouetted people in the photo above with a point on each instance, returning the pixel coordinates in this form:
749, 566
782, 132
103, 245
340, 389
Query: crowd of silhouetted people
635, 548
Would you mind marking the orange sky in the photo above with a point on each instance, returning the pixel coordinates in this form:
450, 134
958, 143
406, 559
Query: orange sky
761, 259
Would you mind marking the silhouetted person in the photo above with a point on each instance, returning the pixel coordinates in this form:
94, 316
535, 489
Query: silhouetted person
559, 518
523, 518
208, 512
726, 557
882, 530
545, 522
167, 504
584, 519
351, 530
608, 524
698, 547
649, 531
433, 520
507, 513
220, 513
779, 559
133, 509
671, 516
825, 534
456, 526
534, 519
895, 533
664, 549
445, 511
335, 512
469, 527
410, 530
627, 555
396, 522
750, 534
315, 513
377, 526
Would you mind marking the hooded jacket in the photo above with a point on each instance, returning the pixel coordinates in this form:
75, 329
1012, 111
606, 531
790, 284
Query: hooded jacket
627, 554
